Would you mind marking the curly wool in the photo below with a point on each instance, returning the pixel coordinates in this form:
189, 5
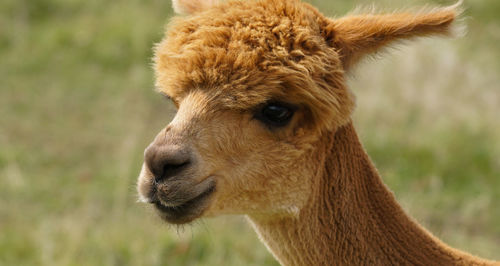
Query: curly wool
240, 49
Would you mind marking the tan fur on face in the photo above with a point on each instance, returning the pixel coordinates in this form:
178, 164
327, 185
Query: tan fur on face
246, 158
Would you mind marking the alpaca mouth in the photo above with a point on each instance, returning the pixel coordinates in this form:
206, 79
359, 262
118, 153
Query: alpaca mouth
187, 211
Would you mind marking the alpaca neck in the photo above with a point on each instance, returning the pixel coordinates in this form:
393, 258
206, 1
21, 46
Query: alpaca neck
352, 218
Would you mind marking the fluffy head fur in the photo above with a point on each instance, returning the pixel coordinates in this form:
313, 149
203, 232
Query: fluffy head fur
238, 50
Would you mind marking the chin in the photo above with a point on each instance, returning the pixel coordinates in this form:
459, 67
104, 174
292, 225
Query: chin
185, 212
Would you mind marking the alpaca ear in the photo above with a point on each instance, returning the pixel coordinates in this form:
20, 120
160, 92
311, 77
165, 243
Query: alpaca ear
359, 35
191, 6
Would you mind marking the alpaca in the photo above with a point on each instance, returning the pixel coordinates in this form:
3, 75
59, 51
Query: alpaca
264, 129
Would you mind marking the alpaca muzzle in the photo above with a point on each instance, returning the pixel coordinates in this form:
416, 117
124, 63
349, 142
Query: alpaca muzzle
170, 182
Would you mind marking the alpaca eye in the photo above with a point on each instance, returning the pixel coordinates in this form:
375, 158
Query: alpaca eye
275, 114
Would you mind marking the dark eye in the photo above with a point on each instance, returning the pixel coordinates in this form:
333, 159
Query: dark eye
275, 114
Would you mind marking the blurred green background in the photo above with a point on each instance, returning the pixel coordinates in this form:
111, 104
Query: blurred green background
77, 108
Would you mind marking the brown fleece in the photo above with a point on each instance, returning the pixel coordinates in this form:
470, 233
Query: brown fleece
353, 219
309, 188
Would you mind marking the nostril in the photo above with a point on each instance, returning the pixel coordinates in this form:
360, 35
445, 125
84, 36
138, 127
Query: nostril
171, 169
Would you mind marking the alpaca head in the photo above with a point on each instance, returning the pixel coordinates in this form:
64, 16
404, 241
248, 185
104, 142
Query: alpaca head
258, 84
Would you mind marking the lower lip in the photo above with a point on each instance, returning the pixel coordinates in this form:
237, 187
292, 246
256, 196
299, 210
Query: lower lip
185, 212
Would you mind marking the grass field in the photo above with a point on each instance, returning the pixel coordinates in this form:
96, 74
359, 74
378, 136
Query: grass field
77, 109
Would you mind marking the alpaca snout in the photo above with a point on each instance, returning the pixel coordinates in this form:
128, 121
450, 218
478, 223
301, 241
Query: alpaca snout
171, 180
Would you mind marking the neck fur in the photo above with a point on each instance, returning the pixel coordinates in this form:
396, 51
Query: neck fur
353, 219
